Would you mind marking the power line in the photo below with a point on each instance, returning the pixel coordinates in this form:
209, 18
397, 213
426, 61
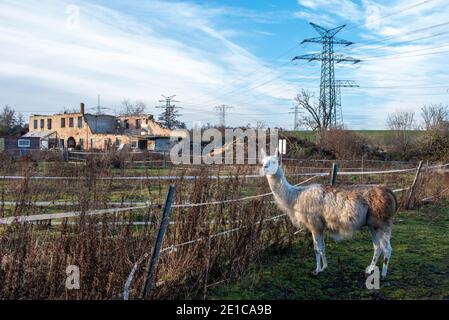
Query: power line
368, 43
246, 75
395, 56
404, 52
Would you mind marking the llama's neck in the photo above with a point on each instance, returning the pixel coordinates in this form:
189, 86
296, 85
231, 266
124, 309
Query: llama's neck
282, 190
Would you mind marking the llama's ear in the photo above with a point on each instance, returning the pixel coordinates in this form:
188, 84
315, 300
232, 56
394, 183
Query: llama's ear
262, 154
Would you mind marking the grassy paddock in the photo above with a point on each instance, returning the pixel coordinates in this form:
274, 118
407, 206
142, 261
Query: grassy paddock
419, 267
33, 257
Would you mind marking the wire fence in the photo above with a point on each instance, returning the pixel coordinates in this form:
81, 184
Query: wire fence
173, 247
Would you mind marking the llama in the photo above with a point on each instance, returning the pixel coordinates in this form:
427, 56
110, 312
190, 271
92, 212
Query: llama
337, 210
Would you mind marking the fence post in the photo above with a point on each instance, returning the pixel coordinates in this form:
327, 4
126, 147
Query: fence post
159, 240
413, 186
334, 174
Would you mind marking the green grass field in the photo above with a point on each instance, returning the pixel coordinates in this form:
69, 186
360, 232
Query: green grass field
419, 267
376, 136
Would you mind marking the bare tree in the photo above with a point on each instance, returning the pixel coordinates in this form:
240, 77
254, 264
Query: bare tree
435, 117
400, 123
132, 109
316, 117
11, 122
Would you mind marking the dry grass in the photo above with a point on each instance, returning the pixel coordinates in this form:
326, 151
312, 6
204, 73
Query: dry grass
34, 257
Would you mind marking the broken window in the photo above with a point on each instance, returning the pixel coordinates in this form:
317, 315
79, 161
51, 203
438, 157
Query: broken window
138, 123
126, 124
48, 124
62, 122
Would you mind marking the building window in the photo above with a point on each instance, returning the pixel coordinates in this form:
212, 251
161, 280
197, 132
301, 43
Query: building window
117, 142
138, 122
134, 144
126, 124
49, 124
81, 144
42, 123
62, 122
35, 124
80, 122
23, 143
71, 122
92, 143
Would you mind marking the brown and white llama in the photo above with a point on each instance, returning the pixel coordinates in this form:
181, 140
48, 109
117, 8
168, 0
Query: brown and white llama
337, 210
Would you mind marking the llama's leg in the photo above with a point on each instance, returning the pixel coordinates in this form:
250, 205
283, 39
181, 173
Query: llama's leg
377, 251
386, 249
318, 246
321, 249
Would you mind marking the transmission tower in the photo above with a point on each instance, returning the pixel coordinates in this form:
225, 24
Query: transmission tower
222, 114
99, 108
170, 113
327, 102
296, 113
338, 120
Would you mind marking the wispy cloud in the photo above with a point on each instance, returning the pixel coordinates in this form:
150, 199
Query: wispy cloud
142, 49
167, 47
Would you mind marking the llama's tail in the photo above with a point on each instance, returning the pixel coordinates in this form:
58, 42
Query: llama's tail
396, 207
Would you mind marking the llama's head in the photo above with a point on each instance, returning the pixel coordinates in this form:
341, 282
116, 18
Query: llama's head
270, 164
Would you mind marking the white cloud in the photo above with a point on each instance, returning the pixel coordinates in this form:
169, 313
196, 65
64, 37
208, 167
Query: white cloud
139, 52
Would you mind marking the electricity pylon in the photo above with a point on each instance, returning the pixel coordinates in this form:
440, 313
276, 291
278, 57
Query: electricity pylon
296, 113
338, 115
222, 114
169, 116
327, 102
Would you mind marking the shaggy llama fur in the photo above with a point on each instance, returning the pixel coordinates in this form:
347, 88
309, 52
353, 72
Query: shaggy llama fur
337, 210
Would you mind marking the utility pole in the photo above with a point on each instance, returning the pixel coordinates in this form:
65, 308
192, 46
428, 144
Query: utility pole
222, 114
327, 102
170, 113
338, 115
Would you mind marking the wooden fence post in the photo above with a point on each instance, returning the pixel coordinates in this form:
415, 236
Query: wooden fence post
160, 238
413, 186
334, 174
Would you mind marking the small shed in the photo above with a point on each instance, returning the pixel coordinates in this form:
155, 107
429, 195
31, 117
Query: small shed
48, 139
19, 146
150, 142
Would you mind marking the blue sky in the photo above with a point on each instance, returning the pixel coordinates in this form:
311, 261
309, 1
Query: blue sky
221, 52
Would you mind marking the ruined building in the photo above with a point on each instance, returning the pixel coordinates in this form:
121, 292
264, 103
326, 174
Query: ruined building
90, 131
